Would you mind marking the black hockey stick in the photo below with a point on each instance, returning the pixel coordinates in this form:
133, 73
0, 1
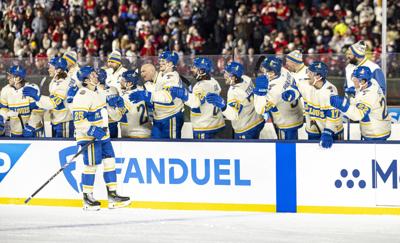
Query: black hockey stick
21, 121
60, 170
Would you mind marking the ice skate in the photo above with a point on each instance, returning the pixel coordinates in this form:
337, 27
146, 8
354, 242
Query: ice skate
89, 203
117, 201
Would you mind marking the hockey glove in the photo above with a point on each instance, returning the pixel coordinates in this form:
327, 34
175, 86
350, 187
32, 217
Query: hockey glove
180, 93
97, 132
288, 95
71, 93
351, 91
216, 100
339, 103
31, 92
29, 132
112, 100
120, 102
261, 85
326, 138
2, 125
141, 95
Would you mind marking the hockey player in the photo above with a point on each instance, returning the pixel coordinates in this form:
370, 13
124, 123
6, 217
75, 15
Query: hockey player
287, 117
356, 58
247, 124
90, 119
4, 91
114, 70
135, 122
297, 68
25, 117
110, 96
325, 120
368, 106
60, 116
168, 112
207, 120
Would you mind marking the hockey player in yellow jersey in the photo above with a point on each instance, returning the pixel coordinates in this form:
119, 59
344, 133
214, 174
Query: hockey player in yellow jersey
73, 67
24, 115
110, 95
287, 117
91, 125
168, 112
207, 120
114, 70
239, 108
135, 122
60, 116
368, 106
325, 120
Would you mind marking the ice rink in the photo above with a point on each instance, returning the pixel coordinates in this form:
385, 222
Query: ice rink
58, 224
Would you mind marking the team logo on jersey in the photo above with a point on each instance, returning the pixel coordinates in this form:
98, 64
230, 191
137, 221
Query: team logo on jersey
9, 155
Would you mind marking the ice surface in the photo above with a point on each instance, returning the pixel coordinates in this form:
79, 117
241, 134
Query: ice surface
63, 224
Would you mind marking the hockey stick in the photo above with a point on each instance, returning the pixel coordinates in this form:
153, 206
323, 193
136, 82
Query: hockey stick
21, 121
60, 170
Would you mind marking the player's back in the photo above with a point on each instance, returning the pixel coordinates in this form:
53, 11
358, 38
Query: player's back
205, 116
286, 115
241, 96
135, 123
58, 93
164, 110
377, 123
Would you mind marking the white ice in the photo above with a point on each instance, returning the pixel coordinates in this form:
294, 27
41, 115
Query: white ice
63, 224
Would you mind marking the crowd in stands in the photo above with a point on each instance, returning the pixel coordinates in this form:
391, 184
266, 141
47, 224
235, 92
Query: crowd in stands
42, 28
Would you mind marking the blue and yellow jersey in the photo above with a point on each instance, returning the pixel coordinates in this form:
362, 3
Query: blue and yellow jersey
87, 111
13, 104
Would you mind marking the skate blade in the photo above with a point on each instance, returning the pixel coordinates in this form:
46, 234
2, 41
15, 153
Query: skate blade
114, 205
91, 208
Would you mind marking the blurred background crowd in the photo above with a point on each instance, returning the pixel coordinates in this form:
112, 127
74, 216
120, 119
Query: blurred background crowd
39, 29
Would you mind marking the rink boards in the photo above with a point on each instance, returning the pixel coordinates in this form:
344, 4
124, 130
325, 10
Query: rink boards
221, 175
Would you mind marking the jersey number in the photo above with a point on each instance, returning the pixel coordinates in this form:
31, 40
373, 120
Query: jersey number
143, 114
384, 112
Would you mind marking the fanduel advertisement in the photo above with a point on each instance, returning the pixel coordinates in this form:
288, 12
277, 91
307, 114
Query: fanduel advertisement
146, 171
365, 175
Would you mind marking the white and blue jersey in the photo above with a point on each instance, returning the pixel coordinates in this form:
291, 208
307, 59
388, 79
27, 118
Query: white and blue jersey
168, 112
13, 104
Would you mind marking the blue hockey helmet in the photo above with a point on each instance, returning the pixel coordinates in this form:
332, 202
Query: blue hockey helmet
131, 76
363, 73
59, 63
319, 68
234, 68
17, 71
84, 72
272, 63
204, 64
169, 56
102, 76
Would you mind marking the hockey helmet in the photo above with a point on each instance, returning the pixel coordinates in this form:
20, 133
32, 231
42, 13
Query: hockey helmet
204, 64
169, 56
363, 73
319, 68
102, 76
234, 68
84, 73
272, 64
131, 76
59, 63
17, 71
